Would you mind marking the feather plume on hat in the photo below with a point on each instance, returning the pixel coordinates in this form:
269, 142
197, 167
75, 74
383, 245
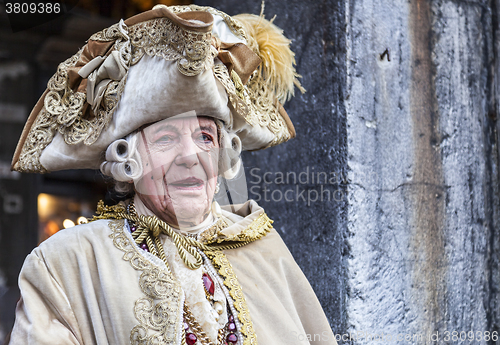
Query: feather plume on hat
268, 41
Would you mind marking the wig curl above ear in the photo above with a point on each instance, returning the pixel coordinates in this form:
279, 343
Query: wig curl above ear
123, 163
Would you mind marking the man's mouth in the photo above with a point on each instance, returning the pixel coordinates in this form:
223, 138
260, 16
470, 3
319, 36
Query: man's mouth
188, 183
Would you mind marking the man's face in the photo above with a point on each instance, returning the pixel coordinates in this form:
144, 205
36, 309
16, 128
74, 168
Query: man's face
180, 159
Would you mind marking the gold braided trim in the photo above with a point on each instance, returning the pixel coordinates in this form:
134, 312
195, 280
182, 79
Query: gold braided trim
213, 231
257, 229
159, 322
160, 313
198, 330
226, 271
150, 227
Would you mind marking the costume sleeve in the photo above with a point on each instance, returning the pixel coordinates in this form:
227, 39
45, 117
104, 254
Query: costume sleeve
43, 314
311, 314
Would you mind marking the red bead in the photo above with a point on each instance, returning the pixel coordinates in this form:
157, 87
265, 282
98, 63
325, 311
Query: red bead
231, 327
232, 338
231, 318
144, 246
209, 284
191, 339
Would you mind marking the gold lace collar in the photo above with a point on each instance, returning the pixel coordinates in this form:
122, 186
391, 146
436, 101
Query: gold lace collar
149, 228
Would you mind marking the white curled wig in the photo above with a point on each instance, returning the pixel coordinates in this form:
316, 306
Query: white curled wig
123, 161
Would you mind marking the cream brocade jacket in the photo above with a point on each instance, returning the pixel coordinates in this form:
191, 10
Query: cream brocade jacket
92, 285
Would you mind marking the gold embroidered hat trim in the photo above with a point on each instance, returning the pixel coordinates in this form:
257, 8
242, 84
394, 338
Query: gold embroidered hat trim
83, 94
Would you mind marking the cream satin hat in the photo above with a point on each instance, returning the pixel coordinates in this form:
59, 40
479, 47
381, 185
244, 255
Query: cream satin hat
156, 65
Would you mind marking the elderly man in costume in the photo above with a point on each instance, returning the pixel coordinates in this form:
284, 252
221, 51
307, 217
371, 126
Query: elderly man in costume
164, 102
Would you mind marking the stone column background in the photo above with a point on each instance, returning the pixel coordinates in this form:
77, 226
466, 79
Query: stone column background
423, 168
402, 100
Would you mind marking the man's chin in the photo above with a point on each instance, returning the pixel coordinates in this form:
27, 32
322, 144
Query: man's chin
189, 212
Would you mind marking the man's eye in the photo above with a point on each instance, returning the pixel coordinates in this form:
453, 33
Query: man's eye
207, 139
164, 139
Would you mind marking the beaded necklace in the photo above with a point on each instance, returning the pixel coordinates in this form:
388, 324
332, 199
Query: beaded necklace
229, 333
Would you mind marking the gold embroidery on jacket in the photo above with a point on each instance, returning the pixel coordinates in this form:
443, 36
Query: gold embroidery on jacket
160, 321
225, 269
257, 229
160, 313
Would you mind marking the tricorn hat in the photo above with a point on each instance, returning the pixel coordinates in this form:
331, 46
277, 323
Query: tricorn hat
153, 66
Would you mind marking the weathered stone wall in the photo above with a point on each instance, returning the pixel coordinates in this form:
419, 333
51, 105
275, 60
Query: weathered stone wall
423, 207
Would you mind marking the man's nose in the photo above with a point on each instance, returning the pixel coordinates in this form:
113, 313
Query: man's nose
187, 154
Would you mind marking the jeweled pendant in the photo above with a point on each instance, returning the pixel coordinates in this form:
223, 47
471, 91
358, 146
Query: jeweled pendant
232, 338
208, 283
191, 339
